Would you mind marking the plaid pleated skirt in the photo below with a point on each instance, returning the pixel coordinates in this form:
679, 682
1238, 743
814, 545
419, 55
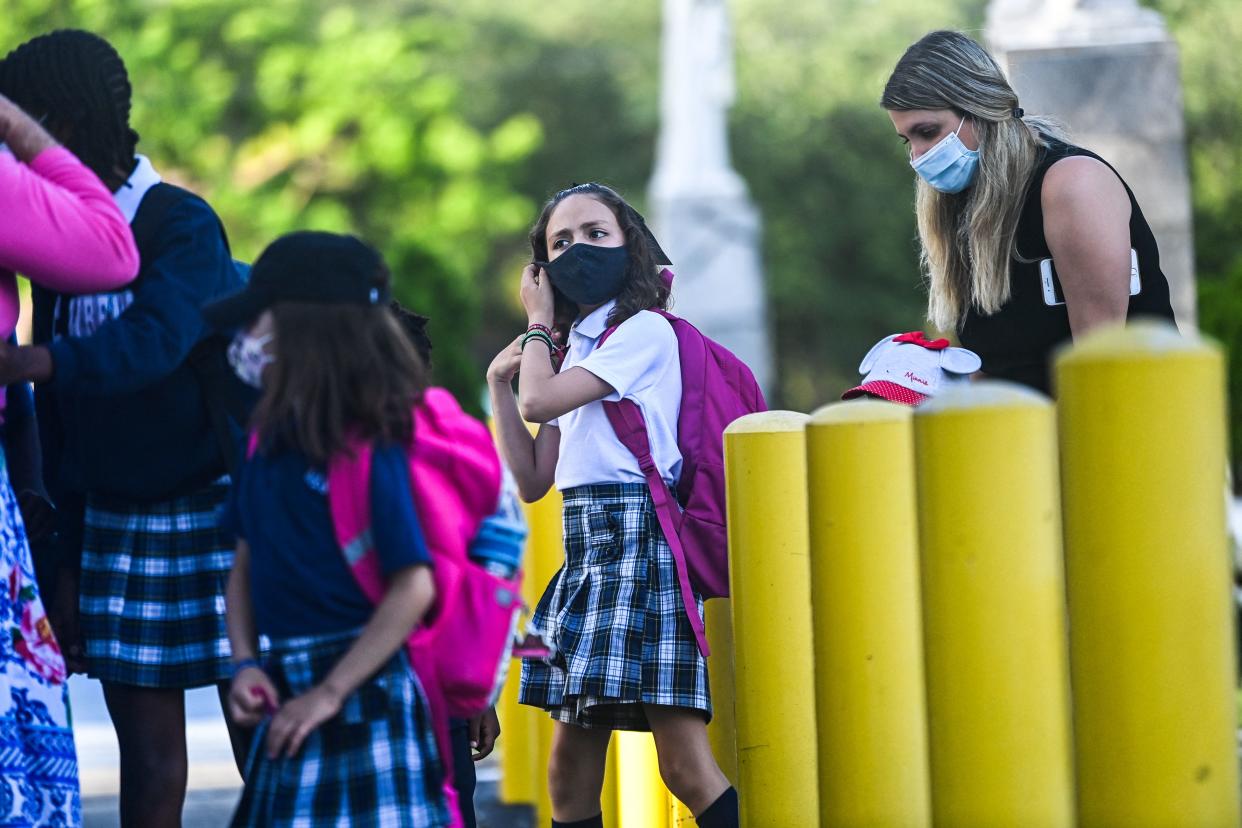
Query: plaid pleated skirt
152, 590
614, 619
373, 765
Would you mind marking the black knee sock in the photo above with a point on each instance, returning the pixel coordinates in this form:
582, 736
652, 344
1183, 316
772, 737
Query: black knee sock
722, 813
596, 821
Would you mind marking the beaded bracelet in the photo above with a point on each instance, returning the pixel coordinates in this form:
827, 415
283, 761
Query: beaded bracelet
538, 327
539, 336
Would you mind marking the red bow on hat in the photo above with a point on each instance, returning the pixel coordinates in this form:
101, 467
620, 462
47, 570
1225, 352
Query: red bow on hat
919, 338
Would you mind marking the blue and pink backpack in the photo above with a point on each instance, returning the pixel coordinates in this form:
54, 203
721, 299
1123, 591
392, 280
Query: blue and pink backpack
460, 650
716, 389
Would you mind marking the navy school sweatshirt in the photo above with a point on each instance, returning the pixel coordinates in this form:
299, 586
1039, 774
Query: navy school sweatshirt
124, 414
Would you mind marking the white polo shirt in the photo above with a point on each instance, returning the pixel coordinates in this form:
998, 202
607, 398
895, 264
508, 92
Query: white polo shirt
641, 363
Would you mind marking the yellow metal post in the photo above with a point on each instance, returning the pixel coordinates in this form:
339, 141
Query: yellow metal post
765, 461
526, 740
993, 608
679, 815
518, 782
1143, 450
869, 698
608, 799
722, 731
545, 529
642, 801
521, 781
543, 755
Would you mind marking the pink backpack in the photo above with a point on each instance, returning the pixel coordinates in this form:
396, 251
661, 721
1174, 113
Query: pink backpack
460, 650
716, 389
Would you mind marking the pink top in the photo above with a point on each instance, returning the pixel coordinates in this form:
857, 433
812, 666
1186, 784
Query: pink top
61, 229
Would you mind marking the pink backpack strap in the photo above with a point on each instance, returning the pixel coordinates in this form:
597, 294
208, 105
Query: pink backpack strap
627, 420
349, 500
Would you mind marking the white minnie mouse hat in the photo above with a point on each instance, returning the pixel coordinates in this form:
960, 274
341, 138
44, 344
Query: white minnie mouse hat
908, 368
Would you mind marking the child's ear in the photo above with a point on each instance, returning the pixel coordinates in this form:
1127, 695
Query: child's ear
874, 354
960, 361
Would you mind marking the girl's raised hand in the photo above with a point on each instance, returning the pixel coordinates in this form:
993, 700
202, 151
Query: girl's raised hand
298, 718
252, 696
537, 296
506, 364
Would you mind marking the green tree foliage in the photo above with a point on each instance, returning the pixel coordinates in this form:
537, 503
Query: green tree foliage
296, 114
1207, 33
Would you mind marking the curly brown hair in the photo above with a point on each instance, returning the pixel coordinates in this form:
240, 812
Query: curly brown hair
644, 288
341, 372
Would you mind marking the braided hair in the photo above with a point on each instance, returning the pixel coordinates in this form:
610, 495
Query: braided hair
78, 84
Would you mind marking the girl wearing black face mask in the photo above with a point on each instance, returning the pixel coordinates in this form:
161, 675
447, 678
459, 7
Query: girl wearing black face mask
622, 654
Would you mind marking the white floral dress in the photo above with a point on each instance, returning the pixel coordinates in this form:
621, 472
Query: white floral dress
38, 761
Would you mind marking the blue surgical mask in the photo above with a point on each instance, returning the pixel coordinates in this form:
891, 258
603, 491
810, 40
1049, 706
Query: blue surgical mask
948, 167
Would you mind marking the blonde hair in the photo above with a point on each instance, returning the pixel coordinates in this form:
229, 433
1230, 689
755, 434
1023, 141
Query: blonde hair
968, 238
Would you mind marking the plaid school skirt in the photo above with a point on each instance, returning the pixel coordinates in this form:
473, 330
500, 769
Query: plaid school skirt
614, 619
152, 590
373, 764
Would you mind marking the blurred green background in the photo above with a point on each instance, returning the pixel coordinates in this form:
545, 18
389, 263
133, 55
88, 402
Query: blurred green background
435, 128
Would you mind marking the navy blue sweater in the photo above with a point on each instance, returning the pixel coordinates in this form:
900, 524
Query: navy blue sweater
124, 414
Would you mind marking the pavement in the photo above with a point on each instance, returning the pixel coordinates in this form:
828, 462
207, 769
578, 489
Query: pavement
214, 784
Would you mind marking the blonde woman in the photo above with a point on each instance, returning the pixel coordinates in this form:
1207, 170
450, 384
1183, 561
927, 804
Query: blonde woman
1027, 240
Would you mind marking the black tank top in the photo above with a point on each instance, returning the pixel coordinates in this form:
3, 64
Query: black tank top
1017, 342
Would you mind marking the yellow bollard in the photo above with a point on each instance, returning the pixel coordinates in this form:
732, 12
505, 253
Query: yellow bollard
722, 730
608, 798
1143, 448
516, 746
765, 462
545, 518
993, 608
526, 739
679, 815
642, 801
520, 778
870, 702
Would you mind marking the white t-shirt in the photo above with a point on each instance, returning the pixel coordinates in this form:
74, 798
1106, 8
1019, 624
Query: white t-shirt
641, 363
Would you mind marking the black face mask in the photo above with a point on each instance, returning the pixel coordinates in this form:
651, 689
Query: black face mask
588, 274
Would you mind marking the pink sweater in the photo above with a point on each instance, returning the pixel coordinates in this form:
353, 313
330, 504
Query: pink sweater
59, 227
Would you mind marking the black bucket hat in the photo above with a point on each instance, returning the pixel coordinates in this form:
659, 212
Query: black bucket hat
307, 266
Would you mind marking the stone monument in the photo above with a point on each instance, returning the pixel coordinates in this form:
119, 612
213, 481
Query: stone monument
1109, 70
701, 211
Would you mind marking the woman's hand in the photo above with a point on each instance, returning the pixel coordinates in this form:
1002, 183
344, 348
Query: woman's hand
251, 696
506, 364
298, 718
537, 296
